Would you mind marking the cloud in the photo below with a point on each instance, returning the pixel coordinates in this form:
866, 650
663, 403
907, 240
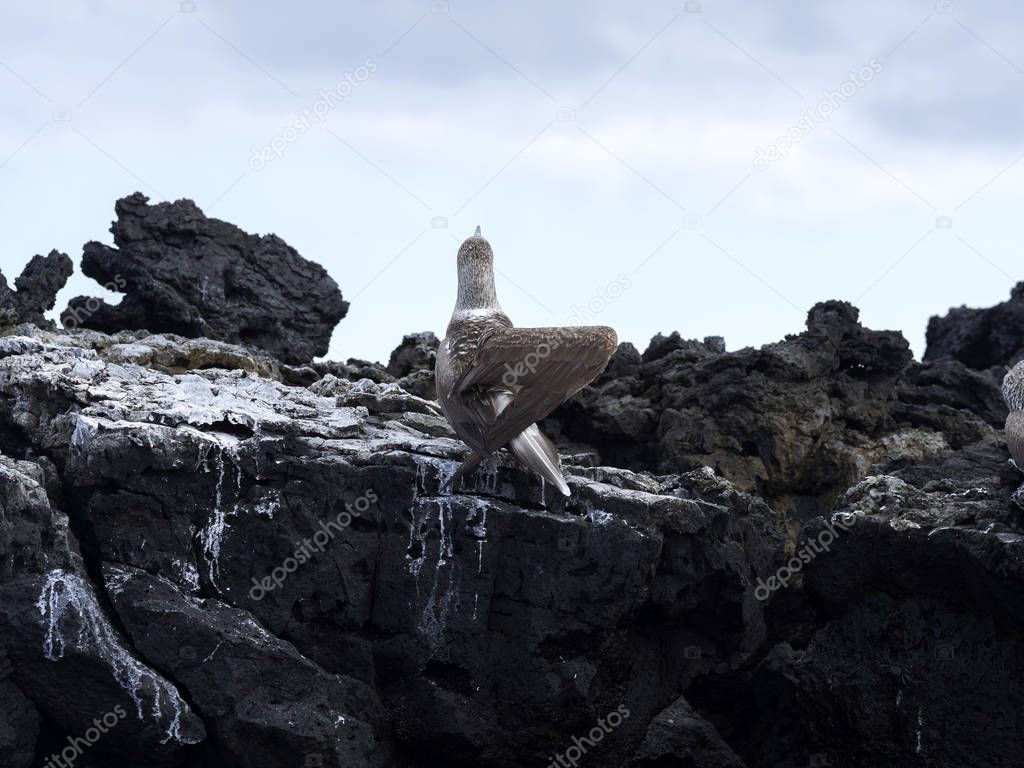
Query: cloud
461, 120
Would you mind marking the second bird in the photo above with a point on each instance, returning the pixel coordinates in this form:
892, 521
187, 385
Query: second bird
494, 381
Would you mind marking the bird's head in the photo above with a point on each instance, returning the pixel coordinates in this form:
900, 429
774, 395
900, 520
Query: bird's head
476, 252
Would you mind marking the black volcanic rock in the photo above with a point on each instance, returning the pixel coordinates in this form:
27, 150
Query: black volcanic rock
962, 404
491, 626
411, 366
901, 632
261, 698
184, 273
679, 736
412, 363
156, 493
37, 288
992, 337
19, 720
797, 421
416, 352
59, 638
923, 597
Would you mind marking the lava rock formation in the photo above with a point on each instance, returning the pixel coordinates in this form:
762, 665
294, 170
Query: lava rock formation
36, 290
153, 514
992, 337
184, 273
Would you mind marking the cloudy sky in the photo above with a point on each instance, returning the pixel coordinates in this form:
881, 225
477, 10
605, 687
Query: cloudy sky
730, 163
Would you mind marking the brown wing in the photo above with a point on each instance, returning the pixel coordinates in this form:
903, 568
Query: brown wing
1015, 436
470, 413
467, 411
540, 367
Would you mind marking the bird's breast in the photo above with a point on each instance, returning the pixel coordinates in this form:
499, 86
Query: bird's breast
462, 340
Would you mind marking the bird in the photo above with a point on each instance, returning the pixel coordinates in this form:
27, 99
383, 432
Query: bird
1013, 394
495, 381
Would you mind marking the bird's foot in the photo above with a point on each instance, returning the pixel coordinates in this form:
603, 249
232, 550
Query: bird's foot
1013, 464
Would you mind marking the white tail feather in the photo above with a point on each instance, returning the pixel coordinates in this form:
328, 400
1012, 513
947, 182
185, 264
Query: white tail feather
535, 451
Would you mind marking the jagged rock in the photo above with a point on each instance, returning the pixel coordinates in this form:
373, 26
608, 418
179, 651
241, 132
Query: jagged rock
59, 636
411, 366
184, 273
899, 630
354, 370
946, 396
265, 702
381, 398
797, 421
992, 337
37, 288
164, 352
679, 736
420, 383
923, 601
492, 626
416, 352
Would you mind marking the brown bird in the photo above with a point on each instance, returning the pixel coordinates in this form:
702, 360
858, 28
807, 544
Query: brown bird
494, 381
1013, 394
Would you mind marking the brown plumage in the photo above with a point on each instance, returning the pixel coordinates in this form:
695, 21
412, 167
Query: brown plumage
1013, 394
494, 381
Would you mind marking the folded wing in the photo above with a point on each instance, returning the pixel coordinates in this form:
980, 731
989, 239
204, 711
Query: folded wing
536, 369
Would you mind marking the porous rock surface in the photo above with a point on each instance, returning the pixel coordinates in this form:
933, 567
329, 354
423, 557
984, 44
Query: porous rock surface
797, 421
154, 504
35, 290
987, 338
411, 366
489, 626
190, 275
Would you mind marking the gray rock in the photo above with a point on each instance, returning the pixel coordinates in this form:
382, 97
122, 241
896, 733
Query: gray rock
470, 618
494, 626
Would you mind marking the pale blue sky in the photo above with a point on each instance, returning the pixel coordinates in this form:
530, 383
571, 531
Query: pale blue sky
669, 100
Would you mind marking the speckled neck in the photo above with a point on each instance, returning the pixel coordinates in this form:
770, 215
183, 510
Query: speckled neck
476, 276
476, 287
